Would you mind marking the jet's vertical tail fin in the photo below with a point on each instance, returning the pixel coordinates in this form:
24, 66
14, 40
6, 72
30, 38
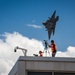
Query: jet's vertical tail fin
53, 15
57, 18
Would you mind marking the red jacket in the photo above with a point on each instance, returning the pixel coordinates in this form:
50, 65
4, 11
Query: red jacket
41, 53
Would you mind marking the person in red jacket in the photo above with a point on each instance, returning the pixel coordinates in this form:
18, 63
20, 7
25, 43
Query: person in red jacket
41, 53
53, 48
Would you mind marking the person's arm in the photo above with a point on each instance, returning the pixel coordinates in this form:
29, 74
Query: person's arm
49, 45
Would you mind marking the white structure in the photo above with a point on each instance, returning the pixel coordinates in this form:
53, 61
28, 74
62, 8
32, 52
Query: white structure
43, 66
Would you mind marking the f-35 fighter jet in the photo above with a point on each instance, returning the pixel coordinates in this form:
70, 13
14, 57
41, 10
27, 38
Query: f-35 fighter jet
51, 24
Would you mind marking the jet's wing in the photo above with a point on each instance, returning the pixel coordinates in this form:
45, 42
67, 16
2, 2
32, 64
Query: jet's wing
53, 15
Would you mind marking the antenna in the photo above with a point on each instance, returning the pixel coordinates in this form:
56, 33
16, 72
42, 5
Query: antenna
23, 50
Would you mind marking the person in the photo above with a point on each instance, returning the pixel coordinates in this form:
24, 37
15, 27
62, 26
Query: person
53, 48
41, 53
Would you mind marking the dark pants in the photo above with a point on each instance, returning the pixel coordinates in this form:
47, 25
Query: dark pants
54, 53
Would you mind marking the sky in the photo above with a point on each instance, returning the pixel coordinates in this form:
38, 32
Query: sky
21, 25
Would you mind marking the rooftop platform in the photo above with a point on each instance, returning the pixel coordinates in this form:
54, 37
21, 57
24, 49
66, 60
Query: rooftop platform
55, 59
27, 64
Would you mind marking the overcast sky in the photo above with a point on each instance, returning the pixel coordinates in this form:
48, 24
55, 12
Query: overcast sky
21, 25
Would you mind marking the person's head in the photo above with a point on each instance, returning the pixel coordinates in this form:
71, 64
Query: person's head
52, 41
40, 52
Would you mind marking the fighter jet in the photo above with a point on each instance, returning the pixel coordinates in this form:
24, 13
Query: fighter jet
51, 24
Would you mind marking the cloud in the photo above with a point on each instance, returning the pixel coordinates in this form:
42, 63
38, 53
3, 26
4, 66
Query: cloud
8, 57
70, 52
34, 26
5, 66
